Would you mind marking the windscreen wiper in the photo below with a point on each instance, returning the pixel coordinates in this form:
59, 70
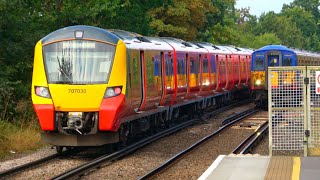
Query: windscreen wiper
62, 71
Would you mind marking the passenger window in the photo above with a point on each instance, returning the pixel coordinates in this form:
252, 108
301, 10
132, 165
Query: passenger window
169, 67
193, 67
157, 66
181, 66
205, 66
258, 64
287, 62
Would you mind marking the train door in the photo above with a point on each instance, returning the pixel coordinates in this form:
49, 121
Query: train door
182, 75
222, 72
194, 72
151, 78
248, 65
213, 71
168, 66
205, 85
134, 79
230, 73
273, 60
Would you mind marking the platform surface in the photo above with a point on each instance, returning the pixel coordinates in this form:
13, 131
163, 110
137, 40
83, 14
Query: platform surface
250, 167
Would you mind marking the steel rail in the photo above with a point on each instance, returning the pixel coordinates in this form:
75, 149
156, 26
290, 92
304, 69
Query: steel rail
80, 170
245, 145
28, 165
231, 120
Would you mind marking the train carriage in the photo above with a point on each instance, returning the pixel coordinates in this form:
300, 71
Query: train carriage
93, 86
276, 56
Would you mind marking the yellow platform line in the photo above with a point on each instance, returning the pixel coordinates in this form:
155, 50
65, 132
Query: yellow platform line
296, 168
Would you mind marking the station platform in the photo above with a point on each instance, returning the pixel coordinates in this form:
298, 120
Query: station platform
255, 167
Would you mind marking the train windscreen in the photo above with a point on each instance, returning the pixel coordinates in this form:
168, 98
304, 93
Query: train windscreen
258, 64
78, 62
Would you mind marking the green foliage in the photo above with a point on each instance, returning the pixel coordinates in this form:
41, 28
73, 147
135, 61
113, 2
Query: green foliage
181, 19
256, 42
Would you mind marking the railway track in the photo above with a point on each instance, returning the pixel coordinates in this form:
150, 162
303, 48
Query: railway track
227, 123
29, 165
252, 140
104, 160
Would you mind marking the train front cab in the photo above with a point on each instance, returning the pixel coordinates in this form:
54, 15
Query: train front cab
74, 83
270, 57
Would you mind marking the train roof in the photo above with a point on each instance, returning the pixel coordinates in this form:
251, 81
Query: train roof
137, 41
85, 32
124, 34
181, 45
213, 48
236, 50
298, 52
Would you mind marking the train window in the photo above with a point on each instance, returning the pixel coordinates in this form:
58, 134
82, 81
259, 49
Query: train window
194, 67
169, 66
258, 64
181, 66
222, 67
243, 65
157, 65
78, 62
205, 66
287, 62
213, 63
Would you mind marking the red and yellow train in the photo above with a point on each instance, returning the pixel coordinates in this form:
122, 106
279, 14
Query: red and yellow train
93, 86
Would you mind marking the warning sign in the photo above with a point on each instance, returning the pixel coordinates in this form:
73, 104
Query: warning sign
317, 82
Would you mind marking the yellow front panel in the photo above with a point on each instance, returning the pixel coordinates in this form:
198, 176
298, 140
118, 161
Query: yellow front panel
77, 97
258, 78
39, 77
118, 75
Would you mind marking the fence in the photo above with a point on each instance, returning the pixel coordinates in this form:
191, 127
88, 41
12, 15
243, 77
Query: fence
294, 110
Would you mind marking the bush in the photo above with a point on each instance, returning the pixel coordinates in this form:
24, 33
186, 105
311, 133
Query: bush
19, 137
14, 105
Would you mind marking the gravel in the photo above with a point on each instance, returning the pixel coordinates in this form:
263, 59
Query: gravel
144, 160
196, 162
21, 159
138, 163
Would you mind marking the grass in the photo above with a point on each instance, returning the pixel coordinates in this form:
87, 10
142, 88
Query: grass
19, 137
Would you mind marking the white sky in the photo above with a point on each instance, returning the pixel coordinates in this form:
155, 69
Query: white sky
257, 7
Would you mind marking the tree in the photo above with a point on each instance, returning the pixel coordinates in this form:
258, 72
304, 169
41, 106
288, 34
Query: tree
283, 27
181, 19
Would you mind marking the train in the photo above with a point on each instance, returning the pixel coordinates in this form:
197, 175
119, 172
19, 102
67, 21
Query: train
94, 86
276, 56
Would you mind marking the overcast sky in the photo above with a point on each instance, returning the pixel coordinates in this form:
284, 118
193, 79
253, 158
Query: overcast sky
257, 7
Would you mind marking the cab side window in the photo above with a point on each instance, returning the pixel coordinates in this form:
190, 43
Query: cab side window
287, 62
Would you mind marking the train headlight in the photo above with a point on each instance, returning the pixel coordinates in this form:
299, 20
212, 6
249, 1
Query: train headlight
42, 91
112, 91
258, 82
